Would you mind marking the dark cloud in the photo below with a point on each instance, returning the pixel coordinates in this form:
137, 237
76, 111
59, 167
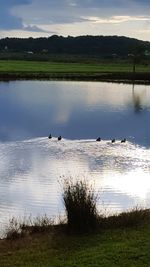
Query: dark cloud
108, 3
91, 3
99, 4
56, 4
71, 11
145, 2
7, 20
29, 15
34, 28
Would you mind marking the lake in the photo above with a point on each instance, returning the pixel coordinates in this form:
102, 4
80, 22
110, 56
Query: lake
32, 167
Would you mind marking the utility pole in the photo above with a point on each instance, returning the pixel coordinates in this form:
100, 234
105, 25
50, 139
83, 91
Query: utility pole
134, 62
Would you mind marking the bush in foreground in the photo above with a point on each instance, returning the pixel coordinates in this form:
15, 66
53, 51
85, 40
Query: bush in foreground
80, 205
82, 215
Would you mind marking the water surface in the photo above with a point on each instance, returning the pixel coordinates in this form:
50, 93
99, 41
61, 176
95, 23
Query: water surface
31, 165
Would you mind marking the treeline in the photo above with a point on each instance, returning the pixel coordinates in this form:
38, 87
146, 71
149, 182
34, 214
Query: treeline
102, 46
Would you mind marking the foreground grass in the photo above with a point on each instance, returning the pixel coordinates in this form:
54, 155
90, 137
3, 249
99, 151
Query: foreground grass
86, 238
120, 240
115, 247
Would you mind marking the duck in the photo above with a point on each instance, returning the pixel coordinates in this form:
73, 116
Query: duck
59, 138
113, 140
50, 136
123, 140
98, 139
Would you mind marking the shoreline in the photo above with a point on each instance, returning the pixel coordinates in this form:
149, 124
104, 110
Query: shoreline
114, 77
123, 242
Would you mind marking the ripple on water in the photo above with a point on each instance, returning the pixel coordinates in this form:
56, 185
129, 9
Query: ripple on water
30, 173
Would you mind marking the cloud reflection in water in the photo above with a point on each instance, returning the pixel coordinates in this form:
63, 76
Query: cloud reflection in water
30, 172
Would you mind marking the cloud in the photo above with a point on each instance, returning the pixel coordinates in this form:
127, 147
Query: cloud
34, 28
117, 19
32, 12
71, 17
145, 2
51, 12
7, 20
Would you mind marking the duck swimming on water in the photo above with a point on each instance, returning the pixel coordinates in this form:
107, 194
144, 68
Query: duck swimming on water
59, 138
123, 140
98, 139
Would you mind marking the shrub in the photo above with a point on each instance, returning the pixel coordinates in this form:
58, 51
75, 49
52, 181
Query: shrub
80, 205
131, 218
14, 230
18, 228
37, 225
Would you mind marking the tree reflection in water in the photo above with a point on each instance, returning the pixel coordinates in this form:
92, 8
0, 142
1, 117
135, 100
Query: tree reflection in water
137, 101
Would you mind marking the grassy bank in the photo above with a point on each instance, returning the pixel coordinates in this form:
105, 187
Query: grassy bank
87, 238
15, 69
126, 246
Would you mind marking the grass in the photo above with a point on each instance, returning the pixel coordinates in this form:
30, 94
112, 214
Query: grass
35, 69
36, 66
111, 247
104, 71
118, 240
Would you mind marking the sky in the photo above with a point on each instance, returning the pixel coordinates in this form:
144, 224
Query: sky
43, 18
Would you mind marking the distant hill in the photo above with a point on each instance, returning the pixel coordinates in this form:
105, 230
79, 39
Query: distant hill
82, 45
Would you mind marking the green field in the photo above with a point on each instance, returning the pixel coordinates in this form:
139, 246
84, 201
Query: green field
12, 66
19, 69
117, 247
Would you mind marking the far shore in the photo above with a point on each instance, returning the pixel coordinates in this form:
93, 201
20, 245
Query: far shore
106, 72
140, 78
